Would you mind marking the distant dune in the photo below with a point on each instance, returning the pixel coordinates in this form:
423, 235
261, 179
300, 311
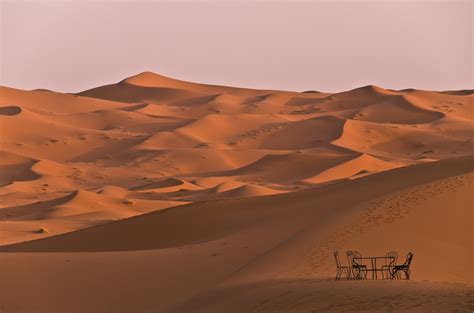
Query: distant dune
187, 197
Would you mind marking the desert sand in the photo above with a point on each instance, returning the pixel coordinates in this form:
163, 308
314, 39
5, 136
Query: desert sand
160, 195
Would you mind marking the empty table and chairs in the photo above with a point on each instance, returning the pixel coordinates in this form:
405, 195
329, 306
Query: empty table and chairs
359, 266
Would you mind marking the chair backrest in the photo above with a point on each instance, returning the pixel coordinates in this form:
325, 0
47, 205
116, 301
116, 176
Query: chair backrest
391, 258
336, 256
349, 255
408, 259
355, 254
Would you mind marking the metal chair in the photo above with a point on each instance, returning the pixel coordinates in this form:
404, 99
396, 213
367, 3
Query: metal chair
405, 268
390, 261
358, 270
346, 270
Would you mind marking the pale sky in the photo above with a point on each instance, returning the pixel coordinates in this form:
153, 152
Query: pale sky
71, 46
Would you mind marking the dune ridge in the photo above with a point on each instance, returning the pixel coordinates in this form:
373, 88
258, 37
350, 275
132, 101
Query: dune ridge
148, 129
238, 194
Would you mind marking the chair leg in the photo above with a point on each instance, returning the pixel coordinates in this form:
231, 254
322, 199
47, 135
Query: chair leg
348, 271
395, 274
357, 275
339, 273
388, 272
360, 274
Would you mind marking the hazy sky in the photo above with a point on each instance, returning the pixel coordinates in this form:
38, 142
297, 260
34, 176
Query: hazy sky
322, 45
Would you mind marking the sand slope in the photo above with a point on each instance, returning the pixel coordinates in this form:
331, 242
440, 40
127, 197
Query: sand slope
260, 248
238, 195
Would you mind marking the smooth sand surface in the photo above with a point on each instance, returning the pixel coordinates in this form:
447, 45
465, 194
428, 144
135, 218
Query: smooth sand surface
159, 195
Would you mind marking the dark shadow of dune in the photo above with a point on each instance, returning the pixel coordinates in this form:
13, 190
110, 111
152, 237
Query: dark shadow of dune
10, 110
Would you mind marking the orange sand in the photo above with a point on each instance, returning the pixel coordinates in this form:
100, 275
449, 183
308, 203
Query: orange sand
184, 197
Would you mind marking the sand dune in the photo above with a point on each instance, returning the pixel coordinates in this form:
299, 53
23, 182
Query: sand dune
236, 253
360, 166
399, 110
15, 168
162, 229
190, 197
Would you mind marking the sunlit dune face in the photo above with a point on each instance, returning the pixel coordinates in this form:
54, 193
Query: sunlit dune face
150, 142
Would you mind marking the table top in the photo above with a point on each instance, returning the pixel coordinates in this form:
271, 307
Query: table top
374, 257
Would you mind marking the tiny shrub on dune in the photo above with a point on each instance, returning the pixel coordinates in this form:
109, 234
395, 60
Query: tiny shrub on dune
128, 202
42, 230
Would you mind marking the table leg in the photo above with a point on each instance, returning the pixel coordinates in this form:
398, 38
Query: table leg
375, 268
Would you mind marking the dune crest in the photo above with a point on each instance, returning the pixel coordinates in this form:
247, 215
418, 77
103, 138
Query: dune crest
156, 138
208, 197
